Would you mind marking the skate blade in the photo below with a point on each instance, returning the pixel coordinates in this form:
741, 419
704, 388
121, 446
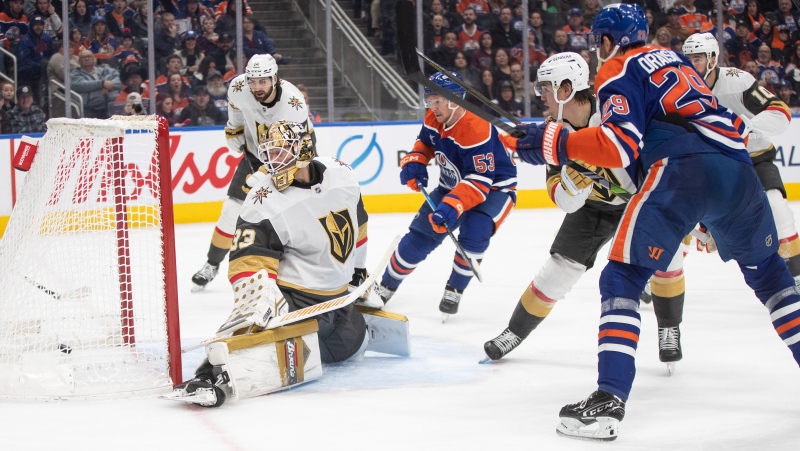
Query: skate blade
196, 287
604, 430
485, 359
445, 316
671, 368
201, 397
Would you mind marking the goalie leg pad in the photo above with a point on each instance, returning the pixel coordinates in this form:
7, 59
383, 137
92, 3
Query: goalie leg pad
388, 332
268, 361
256, 299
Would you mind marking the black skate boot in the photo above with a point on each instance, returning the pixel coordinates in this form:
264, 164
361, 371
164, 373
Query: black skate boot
449, 304
647, 295
201, 391
669, 346
595, 418
498, 347
201, 278
383, 292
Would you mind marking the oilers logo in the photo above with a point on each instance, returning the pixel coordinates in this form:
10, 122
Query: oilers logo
449, 175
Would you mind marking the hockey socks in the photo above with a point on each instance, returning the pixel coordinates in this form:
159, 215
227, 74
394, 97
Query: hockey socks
668, 290
775, 288
413, 248
620, 325
220, 245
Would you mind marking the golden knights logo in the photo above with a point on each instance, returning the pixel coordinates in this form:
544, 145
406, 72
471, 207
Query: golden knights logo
261, 194
732, 71
295, 103
603, 194
237, 87
341, 233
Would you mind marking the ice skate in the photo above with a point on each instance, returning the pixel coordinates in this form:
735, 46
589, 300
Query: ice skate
595, 418
449, 304
371, 298
647, 295
200, 391
669, 346
501, 345
201, 278
382, 293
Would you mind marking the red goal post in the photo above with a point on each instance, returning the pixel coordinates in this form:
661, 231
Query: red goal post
88, 294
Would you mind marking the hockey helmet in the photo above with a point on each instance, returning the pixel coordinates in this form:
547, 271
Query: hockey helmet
702, 43
262, 66
625, 23
285, 149
563, 66
447, 83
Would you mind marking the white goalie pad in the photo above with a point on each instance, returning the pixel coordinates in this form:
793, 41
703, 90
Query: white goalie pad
256, 299
388, 332
268, 361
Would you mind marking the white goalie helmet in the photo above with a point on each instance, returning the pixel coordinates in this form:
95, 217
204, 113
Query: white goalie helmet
262, 66
704, 43
559, 67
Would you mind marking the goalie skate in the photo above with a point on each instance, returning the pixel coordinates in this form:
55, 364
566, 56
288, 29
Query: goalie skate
197, 391
595, 418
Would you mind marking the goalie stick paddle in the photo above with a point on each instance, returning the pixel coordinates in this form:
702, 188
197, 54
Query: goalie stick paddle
314, 310
472, 266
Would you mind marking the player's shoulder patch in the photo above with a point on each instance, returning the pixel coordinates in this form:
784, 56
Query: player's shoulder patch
337, 172
238, 86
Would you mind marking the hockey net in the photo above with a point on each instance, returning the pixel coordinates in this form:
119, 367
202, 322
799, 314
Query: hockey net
88, 297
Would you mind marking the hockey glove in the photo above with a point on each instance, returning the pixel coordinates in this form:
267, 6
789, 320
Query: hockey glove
543, 143
710, 246
236, 142
257, 177
414, 170
446, 214
567, 195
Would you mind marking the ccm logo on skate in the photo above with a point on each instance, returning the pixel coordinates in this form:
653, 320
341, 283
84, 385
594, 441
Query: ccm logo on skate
597, 410
655, 252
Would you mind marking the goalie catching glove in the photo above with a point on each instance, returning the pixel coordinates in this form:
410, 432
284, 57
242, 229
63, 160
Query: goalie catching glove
257, 299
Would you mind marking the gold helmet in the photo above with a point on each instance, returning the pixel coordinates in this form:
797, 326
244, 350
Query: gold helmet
285, 149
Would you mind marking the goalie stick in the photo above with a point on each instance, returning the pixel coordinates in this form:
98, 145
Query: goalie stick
472, 266
323, 307
408, 56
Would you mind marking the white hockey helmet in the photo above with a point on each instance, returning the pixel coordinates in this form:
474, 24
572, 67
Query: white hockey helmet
262, 66
703, 43
284, 149
559, 67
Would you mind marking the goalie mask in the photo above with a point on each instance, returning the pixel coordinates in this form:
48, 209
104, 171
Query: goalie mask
285, 149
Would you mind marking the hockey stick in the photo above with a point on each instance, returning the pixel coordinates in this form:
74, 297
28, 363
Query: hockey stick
69, 294
314, 310
472, 266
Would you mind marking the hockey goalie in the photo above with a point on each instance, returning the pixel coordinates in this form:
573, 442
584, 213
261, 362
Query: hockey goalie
300, 235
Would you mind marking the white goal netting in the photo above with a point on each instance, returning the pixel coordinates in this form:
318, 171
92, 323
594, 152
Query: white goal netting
87, 292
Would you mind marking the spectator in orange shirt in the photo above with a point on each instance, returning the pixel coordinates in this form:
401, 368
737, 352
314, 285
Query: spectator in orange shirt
469, 33
691, 18
178, 91
480, 6
674, 25
753, 14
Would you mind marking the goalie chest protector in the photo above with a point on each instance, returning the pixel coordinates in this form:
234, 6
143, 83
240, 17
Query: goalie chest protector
318, 227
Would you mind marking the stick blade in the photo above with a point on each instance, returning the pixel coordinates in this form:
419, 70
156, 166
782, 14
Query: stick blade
405, 22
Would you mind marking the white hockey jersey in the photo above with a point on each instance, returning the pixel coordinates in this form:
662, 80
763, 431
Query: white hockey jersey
765, 114
249, 116
306, 236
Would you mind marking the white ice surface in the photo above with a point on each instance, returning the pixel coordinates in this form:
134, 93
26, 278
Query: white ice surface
732, 391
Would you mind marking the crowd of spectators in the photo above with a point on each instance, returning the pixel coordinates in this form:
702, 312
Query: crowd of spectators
194, 50
482, 39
